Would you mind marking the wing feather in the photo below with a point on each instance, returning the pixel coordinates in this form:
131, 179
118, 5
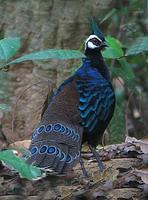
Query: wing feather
96, 100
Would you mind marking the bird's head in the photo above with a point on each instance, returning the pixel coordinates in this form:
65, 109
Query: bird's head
95, 41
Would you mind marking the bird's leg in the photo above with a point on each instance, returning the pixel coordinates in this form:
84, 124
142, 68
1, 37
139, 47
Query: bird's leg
97, 157
83, 167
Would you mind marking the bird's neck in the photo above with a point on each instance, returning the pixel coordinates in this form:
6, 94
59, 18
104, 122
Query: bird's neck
97, 62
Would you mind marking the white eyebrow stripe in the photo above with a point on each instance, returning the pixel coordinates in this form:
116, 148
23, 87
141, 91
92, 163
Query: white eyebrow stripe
91, 37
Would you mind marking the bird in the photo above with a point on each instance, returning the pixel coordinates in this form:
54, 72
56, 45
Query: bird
78, 112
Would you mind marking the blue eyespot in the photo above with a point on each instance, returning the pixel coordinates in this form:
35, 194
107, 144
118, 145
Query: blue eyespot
48, 128
77, 137
69, 158
34, 134
51, 150
78, 154
63, 129
69, 132
72, 133
62, 156
58, 153
43, 149
34, 150
57, 127
74, 137
41, 129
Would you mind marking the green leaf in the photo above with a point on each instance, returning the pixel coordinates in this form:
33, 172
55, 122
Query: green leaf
125, 72
8, 48
114, 50
4, 107
3, 95
109, 14
26, 171
50, 54
139, 46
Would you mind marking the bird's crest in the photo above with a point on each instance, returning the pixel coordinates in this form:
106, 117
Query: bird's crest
95, 29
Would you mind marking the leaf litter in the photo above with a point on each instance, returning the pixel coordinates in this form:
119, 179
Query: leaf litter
125, 177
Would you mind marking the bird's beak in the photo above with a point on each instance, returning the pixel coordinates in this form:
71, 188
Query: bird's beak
104, 44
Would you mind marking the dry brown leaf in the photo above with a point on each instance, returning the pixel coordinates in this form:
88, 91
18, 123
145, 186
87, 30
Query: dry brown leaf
123, 193
129, 139
66, 190
143, 173
110, 174
144, 158
142, 143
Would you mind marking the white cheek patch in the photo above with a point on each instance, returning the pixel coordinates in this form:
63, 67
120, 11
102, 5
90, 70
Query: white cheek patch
91, 45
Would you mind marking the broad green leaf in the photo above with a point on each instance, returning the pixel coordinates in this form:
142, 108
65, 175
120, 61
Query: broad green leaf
114, 50
49, 54
139, 46
3, 95
4, 107
8, 48
26, 171
109, 14
125, 72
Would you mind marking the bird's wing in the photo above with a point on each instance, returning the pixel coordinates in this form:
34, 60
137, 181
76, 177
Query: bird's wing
96, 100
50, 95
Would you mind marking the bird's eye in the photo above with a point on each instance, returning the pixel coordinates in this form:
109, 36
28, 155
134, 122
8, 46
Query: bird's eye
95, 41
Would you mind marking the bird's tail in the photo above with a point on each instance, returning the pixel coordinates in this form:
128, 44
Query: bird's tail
55, 147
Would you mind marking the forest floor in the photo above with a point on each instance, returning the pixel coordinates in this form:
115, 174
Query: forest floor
121, 179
